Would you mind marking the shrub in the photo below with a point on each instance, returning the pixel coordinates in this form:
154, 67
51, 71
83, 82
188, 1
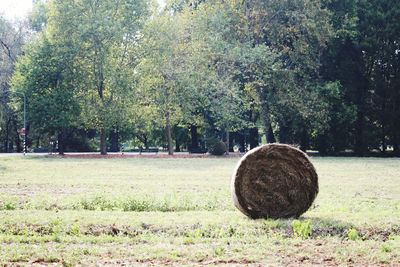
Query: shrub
302, 229
10, 206
75, 229
217, 148
352, 234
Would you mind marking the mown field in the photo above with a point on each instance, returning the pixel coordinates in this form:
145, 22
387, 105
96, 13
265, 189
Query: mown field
142, 211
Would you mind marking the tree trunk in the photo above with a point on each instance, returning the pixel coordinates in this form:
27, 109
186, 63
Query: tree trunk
168, 133
241, 141
194, 137
282, 134
114, 141
231, 142
253, 137
396, 149
227, 142
359, 147
145, 141
396, 142
17, 142
38, 142
266, 128
305, 141
60, 139
177, 144
103, 142
322, 145
383, 138
6, 143
270, 136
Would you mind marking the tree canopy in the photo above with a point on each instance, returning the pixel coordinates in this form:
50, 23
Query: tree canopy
319, 74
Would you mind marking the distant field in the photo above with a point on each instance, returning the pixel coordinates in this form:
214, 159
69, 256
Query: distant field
179, 212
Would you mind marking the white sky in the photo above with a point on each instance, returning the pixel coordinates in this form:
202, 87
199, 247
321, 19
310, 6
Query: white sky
160, 2
13, 9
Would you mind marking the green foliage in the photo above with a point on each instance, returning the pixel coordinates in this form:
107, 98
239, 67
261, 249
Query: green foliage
75, 229
8, 202
352, 234
216, 147
13, 34
302, 229
386, 248
38, 18
358, 57
78, 70
9, 205
139, 203
57, 228
219, 251
314, 73
44, 74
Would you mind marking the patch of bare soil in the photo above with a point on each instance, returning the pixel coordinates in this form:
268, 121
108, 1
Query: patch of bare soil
33, 189
182, 230
166, 262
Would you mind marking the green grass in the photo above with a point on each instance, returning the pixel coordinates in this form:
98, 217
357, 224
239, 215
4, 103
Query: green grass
180, 212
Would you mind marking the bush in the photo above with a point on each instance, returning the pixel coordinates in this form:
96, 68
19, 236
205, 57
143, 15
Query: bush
217, 148
302, 229
352, 234
10, 206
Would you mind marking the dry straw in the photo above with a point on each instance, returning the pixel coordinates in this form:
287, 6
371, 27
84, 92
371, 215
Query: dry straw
274, 181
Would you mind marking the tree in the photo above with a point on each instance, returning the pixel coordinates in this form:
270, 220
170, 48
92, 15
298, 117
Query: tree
380, 49
100, 33
365, 62
12, 38
39, 16
270, 50
46, 76
201, 92
158, 71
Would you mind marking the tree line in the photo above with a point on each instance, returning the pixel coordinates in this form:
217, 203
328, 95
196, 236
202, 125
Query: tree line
319, 74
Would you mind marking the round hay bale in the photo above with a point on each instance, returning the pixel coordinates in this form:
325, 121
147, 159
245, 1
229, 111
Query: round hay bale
274, 181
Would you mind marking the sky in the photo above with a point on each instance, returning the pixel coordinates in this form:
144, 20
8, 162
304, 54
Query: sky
13, 9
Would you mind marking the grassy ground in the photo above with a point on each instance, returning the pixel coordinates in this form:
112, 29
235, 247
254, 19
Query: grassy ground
179, 212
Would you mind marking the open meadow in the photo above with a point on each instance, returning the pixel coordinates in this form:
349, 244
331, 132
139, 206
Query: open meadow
143, 211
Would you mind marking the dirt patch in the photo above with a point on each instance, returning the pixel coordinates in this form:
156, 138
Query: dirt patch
203, 231
28, 190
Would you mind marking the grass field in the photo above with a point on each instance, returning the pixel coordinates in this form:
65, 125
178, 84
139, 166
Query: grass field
179, 212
